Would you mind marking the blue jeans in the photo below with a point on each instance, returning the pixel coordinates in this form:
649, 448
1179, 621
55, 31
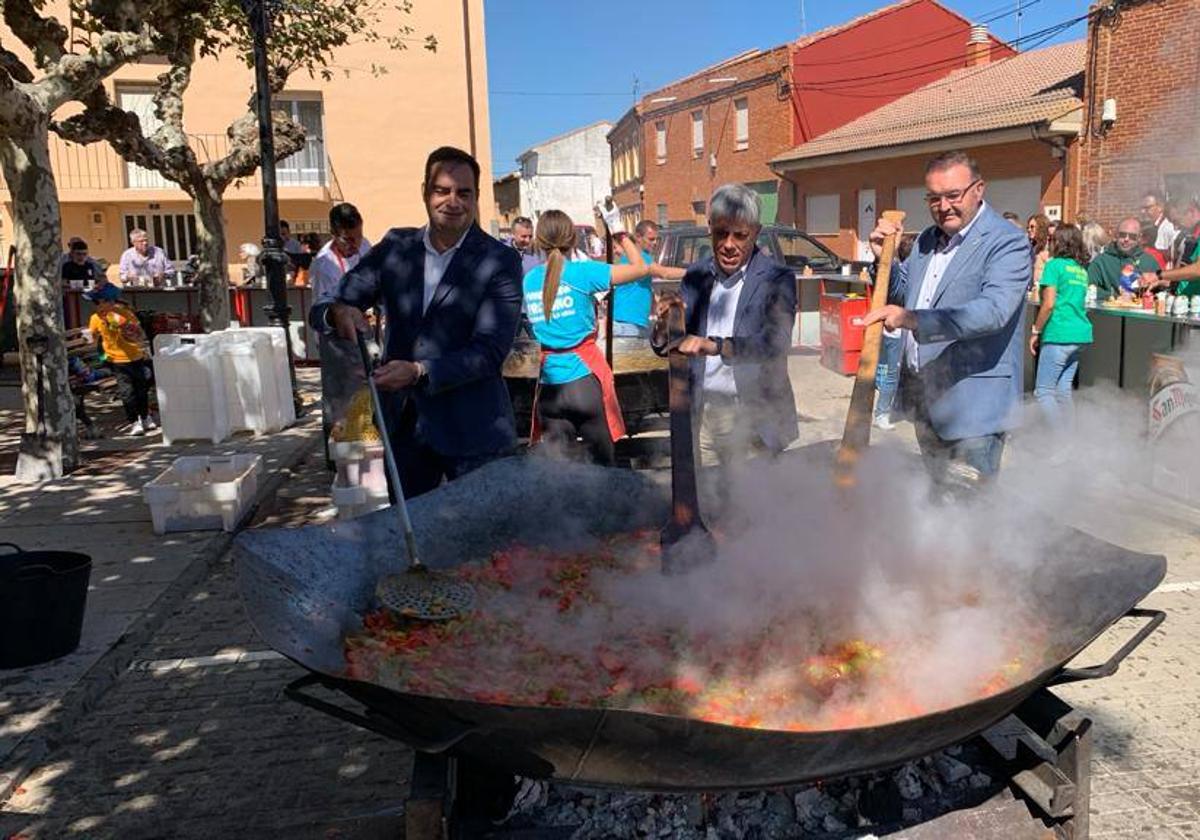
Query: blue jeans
945, 459
1057, 364
887, 375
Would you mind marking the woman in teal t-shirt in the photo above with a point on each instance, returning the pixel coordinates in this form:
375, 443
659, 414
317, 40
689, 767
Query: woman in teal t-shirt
576, 395
1062, 328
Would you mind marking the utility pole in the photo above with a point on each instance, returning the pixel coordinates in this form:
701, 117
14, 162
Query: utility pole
803, 20
1018, 24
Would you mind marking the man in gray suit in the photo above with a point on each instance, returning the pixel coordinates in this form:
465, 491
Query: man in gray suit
960, 299
740, 306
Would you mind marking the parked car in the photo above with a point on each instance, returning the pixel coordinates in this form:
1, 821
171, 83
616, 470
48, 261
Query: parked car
683, 246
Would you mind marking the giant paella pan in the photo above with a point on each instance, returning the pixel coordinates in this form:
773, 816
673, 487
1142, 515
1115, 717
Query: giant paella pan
572, 688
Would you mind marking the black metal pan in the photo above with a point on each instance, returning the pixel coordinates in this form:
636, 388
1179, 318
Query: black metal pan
303, 589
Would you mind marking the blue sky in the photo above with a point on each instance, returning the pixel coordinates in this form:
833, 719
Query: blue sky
555, 65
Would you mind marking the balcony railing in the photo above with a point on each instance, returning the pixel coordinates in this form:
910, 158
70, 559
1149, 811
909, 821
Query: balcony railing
97, 167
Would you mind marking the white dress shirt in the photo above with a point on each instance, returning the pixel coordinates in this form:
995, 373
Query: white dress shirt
436, 264
1166, 235
328, 266
722, 310
939, 261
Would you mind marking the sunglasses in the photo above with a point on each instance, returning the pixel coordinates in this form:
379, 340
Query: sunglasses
1126, 235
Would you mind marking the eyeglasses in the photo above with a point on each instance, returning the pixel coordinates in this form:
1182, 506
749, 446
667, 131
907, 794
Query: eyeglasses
1127, 235
955, 197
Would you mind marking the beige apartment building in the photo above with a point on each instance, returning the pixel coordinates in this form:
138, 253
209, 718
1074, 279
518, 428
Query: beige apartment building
367, 138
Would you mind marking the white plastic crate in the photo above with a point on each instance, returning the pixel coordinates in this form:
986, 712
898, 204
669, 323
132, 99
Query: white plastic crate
359, 464
203, 492
353, 502
250, 392
285, 409
191, 394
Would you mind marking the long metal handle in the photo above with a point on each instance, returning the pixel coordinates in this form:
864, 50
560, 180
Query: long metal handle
389, 458
1070, 675
385, 726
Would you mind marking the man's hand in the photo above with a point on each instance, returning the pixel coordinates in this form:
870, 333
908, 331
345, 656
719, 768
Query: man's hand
397, 375
893, 317
1151, 281
348, 321
695, 345
883, 229
1034, 340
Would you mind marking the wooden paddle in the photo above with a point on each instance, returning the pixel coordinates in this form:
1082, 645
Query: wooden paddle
685, 540
857, 435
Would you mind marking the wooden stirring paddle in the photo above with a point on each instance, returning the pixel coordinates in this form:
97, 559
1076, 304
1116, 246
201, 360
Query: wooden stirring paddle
686, 542
856, 436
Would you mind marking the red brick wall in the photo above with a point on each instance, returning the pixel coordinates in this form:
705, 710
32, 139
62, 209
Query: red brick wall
1009, 160
684, 178
1148, 60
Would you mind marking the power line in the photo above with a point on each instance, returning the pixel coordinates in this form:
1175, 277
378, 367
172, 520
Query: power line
920, 40
827, 85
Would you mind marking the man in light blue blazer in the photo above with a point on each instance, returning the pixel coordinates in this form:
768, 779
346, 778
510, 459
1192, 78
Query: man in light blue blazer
960, 298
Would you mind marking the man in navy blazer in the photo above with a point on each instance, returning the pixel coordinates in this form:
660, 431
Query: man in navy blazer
960, 297
740, 306
452, 297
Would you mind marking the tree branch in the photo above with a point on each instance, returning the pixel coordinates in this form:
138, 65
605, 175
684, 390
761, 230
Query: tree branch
245, 156
74, 76
101, 120
14, 67
45, 36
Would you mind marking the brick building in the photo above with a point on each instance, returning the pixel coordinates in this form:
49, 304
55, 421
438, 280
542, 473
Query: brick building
1144, 59
1019, 117
728, 121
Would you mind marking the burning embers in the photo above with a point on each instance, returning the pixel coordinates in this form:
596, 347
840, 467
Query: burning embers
568, 630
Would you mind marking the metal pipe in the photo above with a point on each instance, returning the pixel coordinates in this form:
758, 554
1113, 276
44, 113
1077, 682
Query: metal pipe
273, 258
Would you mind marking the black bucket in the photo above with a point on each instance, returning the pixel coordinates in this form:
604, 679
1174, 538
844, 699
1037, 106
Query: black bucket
42, 598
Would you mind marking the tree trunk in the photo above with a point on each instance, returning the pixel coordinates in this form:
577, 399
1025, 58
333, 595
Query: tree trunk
50, 446
212, 276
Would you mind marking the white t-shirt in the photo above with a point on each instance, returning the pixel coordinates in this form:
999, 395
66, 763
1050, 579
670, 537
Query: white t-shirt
327, 269
722, 311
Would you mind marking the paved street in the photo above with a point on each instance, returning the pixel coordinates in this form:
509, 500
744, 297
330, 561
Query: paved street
184, 732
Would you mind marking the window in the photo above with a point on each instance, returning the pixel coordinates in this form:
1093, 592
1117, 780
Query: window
662, 215
698, 209
175, 233
741, 109
798, 251
916, 210
140, 101
306, 168
660, 141
697, 133
822, 214
694, 248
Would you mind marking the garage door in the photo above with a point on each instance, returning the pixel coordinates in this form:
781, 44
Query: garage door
1022, 196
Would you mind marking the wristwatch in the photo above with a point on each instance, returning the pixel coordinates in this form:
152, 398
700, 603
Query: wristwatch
724, 346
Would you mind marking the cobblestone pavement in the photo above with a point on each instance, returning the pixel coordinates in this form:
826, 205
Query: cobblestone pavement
208, 746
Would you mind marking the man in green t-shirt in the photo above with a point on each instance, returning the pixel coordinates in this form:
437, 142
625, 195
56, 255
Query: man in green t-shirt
1124, 255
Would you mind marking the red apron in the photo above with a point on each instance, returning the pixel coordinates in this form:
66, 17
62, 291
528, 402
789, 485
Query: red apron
593, 359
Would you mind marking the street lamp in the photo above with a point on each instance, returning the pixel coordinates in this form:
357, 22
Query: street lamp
273, 258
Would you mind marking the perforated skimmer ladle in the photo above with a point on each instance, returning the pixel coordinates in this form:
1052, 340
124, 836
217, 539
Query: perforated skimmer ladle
416, 592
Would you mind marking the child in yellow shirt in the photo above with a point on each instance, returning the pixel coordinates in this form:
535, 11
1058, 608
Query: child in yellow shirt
122, 345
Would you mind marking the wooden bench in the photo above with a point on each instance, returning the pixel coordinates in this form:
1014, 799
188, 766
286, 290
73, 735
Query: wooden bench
82, 347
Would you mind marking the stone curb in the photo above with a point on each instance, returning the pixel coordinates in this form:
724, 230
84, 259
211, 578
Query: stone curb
85, 694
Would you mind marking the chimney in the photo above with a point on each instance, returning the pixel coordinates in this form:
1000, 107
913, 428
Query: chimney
979, 46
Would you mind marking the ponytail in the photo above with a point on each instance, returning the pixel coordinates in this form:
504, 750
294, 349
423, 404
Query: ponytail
554, 270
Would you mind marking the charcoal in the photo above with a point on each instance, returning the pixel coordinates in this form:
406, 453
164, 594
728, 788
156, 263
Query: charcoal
951, 770
908, 782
